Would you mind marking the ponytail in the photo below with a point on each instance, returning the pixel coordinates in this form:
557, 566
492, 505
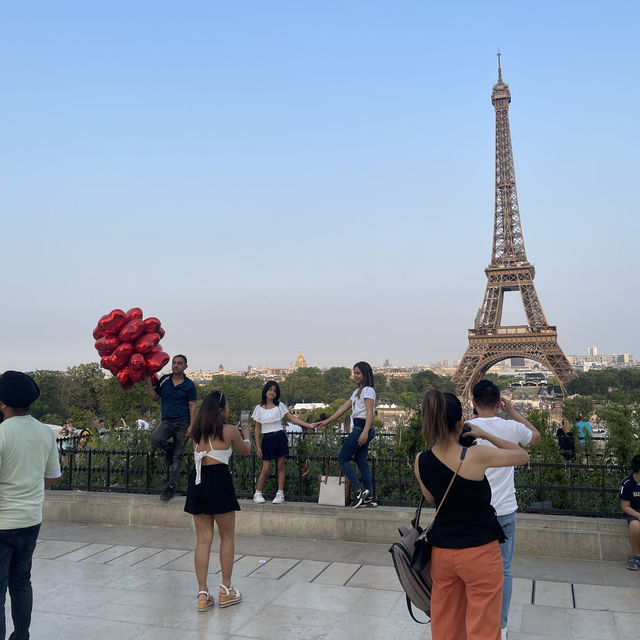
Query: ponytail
441, 413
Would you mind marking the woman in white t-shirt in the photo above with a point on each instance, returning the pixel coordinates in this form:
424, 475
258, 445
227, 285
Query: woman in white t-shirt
356, 444
268, 418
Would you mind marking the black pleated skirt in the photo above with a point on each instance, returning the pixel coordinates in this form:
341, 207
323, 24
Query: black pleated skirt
215, 493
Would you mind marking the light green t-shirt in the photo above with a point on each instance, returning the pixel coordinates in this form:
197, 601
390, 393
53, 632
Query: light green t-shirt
28, 454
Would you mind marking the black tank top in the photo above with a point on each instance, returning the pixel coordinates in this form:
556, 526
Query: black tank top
467, 518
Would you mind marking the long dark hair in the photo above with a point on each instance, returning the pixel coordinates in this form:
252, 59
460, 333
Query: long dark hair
209, 421
267, 386
367, 373
441, 413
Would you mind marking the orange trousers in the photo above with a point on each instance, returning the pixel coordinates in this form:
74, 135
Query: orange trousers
466, 600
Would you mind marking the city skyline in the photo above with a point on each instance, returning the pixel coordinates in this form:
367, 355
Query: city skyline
311, 177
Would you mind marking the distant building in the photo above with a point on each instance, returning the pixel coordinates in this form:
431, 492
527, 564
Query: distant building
391, 414
594, 360
301, 363
309, 406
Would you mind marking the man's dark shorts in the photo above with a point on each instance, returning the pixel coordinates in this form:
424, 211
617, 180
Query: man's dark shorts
629, 518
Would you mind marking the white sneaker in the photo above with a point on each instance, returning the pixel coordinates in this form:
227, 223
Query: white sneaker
279, 499
257, 497
504, 634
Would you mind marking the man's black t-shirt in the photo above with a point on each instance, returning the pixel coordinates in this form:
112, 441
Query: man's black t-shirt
630, 490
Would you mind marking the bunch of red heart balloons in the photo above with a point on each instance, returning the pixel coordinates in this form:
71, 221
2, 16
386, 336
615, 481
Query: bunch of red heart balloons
129, 346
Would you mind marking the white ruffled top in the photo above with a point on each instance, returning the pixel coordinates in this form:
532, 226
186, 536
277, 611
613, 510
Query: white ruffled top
270, 419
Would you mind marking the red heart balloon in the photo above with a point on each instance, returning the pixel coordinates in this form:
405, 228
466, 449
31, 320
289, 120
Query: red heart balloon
97, 333
135, 313
137, 376
161, 332
107, 345
155, 360
131, 331
112, 322
145, 343
121, 355
151, 325
105, 364
136, 362
154, 379
124, 378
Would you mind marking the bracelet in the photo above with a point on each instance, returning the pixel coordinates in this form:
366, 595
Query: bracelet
247, 440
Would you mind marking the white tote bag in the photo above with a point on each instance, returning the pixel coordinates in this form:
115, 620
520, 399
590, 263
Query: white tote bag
333, 490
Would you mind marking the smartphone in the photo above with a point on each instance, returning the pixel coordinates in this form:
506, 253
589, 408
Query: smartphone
244, 419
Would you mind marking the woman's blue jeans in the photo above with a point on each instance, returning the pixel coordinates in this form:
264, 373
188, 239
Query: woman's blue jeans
352, 450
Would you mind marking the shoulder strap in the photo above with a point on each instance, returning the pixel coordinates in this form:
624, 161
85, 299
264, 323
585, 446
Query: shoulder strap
444, 497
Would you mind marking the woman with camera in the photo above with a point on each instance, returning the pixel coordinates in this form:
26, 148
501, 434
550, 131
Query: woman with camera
466, 565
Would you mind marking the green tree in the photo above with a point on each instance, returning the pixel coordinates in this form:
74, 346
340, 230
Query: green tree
577, 407
338, 383
621, 445
116, 402
303, 385
51, 403
84, 383
241, 393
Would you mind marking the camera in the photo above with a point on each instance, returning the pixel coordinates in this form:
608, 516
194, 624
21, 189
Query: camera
464, 440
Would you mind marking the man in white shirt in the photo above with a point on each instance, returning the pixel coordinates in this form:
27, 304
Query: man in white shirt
487, 402
28, 465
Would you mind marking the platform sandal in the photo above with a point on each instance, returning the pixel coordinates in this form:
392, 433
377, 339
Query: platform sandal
204, 604
226, 599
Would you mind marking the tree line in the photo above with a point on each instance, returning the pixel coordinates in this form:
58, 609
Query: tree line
82, 392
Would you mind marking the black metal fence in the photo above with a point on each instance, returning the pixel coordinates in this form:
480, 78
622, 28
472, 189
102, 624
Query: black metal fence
569, 489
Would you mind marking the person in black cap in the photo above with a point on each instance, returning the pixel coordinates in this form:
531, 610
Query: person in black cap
28, 453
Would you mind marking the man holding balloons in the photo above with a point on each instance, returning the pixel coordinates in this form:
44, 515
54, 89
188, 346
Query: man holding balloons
178, 396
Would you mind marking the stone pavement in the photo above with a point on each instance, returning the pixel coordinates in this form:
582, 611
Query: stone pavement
105, 581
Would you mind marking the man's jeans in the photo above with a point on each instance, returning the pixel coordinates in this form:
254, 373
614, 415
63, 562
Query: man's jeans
508, 524
351, 449
169, 436
16, 551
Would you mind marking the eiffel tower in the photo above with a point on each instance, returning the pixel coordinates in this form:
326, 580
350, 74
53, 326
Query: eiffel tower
489, 341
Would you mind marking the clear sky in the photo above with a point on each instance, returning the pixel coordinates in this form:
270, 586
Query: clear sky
268, 176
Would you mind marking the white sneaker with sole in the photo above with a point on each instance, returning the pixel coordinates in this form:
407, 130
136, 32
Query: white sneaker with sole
257, 497
279, 499
504, 634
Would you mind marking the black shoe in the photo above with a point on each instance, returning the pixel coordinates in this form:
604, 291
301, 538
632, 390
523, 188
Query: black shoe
360, 497
167, 494
369, 502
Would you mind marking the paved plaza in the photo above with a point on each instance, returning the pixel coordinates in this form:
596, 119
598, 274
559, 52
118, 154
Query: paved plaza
102, 581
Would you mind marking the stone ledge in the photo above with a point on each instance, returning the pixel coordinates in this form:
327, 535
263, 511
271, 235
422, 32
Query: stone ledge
537, 534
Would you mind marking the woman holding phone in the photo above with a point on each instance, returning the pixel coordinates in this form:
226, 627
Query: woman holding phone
211, 497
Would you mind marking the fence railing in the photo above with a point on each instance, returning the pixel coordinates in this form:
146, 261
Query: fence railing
570, 489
